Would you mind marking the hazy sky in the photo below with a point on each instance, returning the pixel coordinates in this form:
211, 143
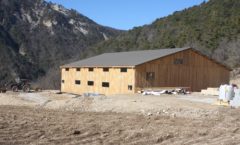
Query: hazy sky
125, 14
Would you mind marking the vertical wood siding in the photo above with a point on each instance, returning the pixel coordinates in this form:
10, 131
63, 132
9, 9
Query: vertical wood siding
197, 72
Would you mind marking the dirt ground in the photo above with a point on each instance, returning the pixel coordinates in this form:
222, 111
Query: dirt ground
50, 118
24, 125
194, 105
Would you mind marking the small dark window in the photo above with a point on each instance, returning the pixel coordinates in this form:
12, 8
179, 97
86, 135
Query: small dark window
66, 69
130, 87
150, 76
78, 69
77, 82
105, 69
90, 83
105, 84
63, 81
178, 61
123, 69
90, 69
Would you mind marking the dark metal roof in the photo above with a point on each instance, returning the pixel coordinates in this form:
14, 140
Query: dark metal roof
127, 59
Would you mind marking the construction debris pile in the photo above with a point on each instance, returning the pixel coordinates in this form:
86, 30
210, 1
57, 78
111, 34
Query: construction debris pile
235, 102
158, 92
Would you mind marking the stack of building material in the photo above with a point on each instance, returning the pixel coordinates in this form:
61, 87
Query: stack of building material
226, 95
236, 100
210, 91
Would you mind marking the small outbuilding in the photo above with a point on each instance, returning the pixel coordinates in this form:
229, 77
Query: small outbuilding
127, 72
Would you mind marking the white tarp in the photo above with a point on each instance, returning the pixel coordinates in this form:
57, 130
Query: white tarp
226, 92
155, 93
236, 100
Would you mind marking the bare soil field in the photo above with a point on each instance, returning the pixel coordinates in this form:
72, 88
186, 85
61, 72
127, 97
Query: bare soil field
24, 125
50, 118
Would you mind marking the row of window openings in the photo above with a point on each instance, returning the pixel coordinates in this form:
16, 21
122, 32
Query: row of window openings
104, 84
149, 76
104, 69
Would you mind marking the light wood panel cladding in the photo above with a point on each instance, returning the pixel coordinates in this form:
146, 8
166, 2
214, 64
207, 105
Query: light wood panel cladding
118, 81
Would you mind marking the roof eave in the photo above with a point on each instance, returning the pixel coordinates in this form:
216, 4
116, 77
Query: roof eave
120, 66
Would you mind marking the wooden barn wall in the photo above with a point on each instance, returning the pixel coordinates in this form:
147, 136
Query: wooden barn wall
118, 81
197, 72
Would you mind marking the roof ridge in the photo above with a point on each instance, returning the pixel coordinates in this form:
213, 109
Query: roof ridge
157, 49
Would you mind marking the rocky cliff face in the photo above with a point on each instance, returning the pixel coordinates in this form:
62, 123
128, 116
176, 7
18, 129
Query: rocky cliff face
37, 36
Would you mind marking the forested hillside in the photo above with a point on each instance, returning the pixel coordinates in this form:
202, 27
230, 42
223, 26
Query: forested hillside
212, 27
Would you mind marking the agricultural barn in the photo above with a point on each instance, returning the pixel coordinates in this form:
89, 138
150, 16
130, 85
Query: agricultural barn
127, 72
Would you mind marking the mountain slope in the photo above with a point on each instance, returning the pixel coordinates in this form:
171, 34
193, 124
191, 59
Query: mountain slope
36, 36
212, 27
